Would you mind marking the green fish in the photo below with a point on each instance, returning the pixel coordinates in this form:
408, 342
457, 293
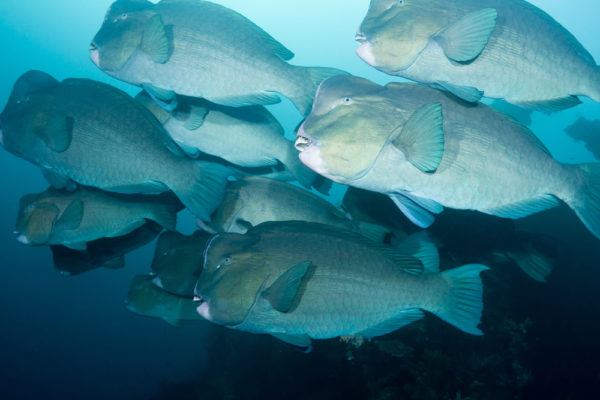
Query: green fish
200, 49
253, 200
105, 252
93, 134
300, 281
246, 136
177, 262
72, 219
147, 299
507, 49
427, 150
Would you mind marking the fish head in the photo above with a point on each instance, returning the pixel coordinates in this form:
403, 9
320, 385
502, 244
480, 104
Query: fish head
231, 278
145, 298
235, 202
35, 220
121, 34
346, 129
395, 32
30, 108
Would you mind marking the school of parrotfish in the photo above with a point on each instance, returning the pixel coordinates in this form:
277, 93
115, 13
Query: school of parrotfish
273, 257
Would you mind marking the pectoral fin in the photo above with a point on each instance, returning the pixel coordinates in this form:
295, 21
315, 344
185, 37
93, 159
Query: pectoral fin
39, 223
55, 129
286, 291
166, 99
417, 214
421, 139
155, 41
196, 118
298, 342
72, 216
466, 38
466, 93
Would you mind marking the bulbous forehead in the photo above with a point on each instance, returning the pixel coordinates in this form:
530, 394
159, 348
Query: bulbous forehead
333, 91
224, 244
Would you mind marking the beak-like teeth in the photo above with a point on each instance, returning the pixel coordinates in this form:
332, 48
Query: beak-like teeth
302, 143
360, 37
93, 47
197, 298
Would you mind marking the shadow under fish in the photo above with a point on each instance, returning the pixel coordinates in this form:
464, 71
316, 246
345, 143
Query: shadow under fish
105, 252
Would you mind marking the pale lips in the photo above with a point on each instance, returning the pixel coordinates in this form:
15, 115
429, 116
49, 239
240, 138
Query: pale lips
302, 141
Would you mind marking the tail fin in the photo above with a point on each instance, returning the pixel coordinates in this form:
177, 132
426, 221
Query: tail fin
462, 305
586, 201
203, 189
301, 172
165, 215
535, 264
305, 92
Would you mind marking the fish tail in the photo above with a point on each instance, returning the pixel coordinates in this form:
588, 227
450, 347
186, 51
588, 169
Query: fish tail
586, 201
202, 190
164, 215
304, 175
304, 93
462, 303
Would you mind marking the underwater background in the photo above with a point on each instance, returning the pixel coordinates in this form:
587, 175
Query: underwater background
72, 337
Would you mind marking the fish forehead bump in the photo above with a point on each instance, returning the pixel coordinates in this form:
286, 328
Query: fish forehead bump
334, 90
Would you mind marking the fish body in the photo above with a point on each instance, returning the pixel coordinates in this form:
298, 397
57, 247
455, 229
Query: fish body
96, 135
506, 49
253, 200
105, 252
200, 49
145, 298
298, 280
245, 136
427, 151
177, 262
71, 219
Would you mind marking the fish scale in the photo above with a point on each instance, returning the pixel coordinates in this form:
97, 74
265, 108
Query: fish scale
529, 59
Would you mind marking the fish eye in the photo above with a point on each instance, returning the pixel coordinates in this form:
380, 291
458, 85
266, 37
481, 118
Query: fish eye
348, 100
121, 17
226, 261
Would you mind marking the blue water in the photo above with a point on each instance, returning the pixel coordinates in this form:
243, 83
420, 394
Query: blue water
72, 338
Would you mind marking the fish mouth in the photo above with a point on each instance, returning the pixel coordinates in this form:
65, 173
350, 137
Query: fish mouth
303, 141
95, 54
360, 37
93, 47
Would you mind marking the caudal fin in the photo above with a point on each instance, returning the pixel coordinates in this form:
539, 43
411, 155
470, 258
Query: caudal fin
202, 190
462, 304
586, 201
305, 91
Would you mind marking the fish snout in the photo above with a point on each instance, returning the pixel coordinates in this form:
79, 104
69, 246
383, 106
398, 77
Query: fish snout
302, 140
94, 54
360, 37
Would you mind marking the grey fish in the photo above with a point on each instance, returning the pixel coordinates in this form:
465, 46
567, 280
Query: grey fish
105, 252
96, 135
505, 49
74, 218
177, 262
245, 136
427, 151
299, 280
588, 132
253, 200
200, 49
147, 299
